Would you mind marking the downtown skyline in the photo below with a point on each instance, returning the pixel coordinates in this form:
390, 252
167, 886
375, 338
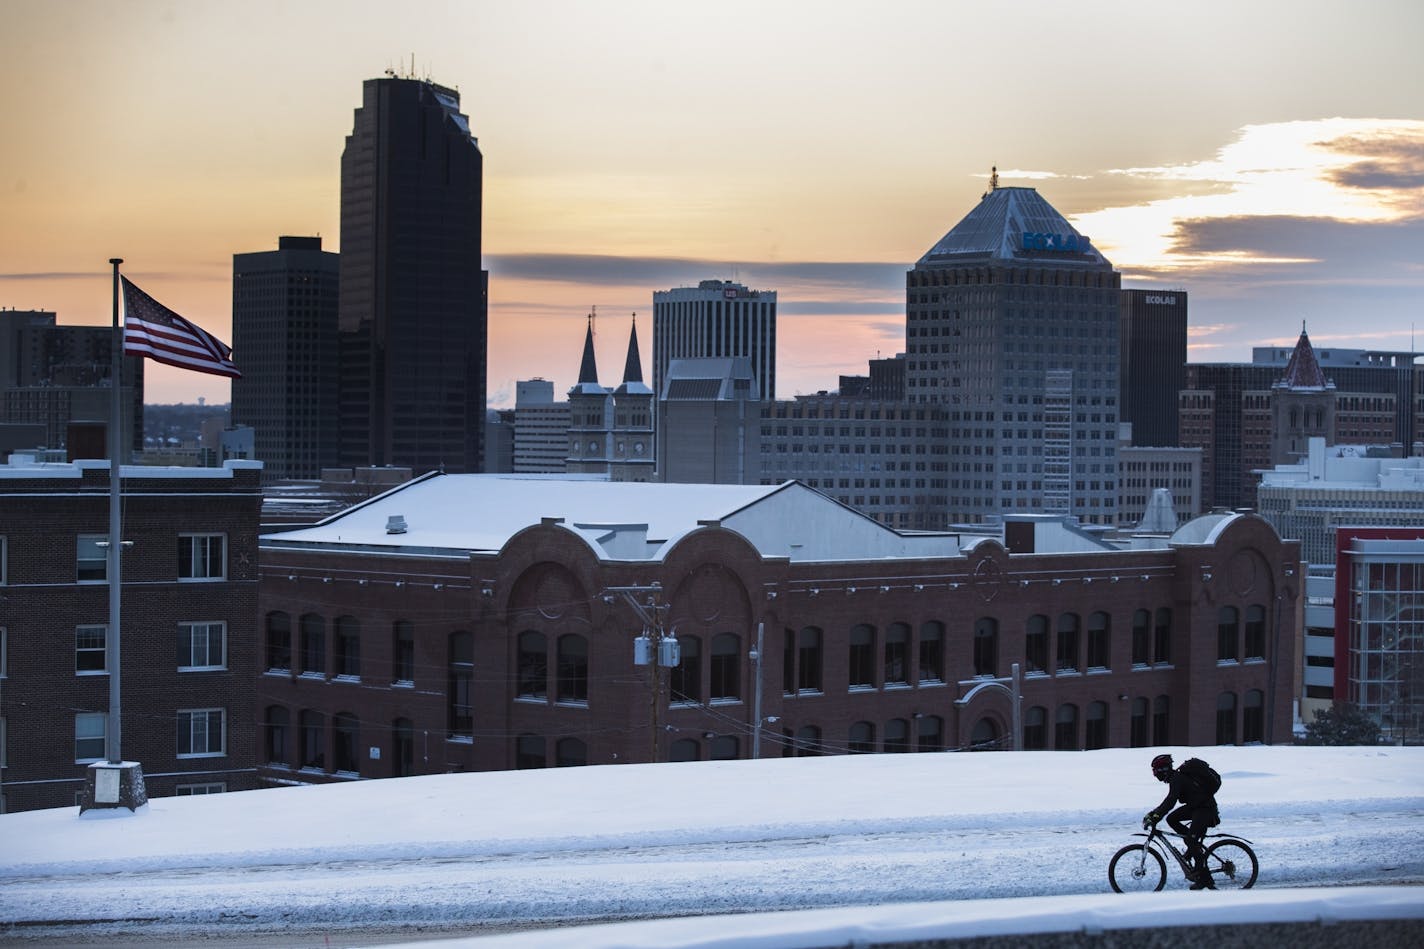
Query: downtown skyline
1266, 157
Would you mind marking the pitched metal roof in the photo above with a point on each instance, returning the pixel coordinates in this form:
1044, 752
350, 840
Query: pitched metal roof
1014, 224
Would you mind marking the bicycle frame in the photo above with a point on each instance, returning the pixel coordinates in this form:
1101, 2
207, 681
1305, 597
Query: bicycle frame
1158, 840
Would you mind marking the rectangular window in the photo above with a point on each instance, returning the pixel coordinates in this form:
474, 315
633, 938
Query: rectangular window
202, 732
90, 655
4, 563
2, 746
4, 652
188, 790
90, 729
202, 556
91, 558
202, 646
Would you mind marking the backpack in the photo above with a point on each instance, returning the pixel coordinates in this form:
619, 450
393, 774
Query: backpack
1203, 774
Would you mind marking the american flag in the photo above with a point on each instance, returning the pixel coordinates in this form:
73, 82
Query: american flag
154, 331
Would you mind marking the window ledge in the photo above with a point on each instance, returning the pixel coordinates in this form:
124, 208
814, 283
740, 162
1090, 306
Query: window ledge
572, 703
460, 739
202, 754
312, 676
1099, 671
403, 684
1067, 672
202, 668
1228, 662
346, 678
726, 700
273, 671
896, 686
532, 699
862, 688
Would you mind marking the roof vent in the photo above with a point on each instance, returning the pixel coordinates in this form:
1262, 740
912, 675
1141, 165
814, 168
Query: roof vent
395, 524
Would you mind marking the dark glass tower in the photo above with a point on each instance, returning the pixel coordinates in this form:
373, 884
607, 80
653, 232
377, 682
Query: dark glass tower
1153, 368
284, 325
413, 303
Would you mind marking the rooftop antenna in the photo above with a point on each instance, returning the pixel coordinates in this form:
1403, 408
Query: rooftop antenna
993, 180
593, 319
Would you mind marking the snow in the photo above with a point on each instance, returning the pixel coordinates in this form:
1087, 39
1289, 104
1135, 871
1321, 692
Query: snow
806, 851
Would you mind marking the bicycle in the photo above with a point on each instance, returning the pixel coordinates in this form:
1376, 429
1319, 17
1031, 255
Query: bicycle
1143, 867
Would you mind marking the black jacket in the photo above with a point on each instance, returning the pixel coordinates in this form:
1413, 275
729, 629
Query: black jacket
1188, 792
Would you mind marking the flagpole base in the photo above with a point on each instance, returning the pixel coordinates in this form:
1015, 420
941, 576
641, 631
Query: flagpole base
113, 790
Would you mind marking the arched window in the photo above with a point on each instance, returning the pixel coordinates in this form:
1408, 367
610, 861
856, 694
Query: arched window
1099, 640
1162, 636
986, 646
313, 644
897, 654
276, 742
1068, 627
726, 685
279, 642
533, 666
403, 748
1036, 644
1227, 648
1255, 632
1162, 720
1141, 638
1226, 718
403, 652
897, 735
312, 740
985, 736
930, 733
348, 647
1140, 729
808, 659
862, 738
687, 674
808, 741
1065, 728
862, 656
932, 651
1095, 732
685, 749
725, 748
1035, 729
529, 753
345, 733
573, 670
459, 701
1253, 717
570, 753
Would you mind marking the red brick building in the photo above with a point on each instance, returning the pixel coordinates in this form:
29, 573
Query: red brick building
477, 622
188, 612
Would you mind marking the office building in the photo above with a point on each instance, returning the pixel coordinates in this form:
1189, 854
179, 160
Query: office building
284, 327
709, 423
716, 319
188, 650
1226, 409
541, 428
1152, 330
53, 376
413, 298
1012, 328
479, 623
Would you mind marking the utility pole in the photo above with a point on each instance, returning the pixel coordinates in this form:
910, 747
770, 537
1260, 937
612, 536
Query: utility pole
656, 647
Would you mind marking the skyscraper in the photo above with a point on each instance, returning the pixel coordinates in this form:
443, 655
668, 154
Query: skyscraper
413, 300
716, 318
1153, 335
1012, 326
284, 325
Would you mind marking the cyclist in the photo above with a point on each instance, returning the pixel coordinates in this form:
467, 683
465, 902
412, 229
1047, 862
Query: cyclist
1198, 805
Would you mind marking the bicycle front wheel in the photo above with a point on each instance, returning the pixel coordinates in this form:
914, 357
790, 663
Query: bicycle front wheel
1232, 865
1137, 868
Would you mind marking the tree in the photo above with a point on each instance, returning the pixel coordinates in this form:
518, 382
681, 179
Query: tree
1344, 724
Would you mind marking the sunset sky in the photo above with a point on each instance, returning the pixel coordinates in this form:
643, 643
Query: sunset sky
1268, 157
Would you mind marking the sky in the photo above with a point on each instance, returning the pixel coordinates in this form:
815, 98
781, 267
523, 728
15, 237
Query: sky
1268, 157
806, 851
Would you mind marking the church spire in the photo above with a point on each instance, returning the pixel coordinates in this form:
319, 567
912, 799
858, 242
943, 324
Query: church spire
633, 367
588, 369
1303, 371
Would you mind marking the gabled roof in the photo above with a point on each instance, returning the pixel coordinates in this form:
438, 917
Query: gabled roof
996, 229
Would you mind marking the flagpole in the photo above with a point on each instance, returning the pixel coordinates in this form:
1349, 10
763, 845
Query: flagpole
111, 644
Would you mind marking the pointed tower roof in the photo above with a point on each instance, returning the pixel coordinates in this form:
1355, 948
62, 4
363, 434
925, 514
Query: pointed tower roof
1161, 516
588, 369
1303, 371
633, 367
1014, 225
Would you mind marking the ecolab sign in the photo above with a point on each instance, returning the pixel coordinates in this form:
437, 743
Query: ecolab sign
1159, 298
1065, 243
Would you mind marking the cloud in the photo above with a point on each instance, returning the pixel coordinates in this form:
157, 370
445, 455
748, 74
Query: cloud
1390, 162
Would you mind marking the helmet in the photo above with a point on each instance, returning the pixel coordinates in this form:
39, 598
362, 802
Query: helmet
1162, 766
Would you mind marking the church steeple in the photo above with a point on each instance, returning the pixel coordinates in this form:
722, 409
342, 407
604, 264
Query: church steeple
633, 366
588, 369
1303, 371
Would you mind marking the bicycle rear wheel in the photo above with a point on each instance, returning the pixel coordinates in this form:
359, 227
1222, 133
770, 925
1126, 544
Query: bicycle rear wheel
1232, 864
1137, 868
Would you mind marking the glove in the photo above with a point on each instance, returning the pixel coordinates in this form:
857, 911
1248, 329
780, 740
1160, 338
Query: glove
1148, 820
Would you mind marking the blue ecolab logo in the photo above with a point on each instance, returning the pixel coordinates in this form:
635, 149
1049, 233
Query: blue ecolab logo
1066, 243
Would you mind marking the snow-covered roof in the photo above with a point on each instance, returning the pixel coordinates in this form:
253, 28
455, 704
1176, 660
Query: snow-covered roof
1203, 530
456, 514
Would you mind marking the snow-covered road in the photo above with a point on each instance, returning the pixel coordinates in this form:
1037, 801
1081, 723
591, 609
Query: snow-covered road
720, 858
